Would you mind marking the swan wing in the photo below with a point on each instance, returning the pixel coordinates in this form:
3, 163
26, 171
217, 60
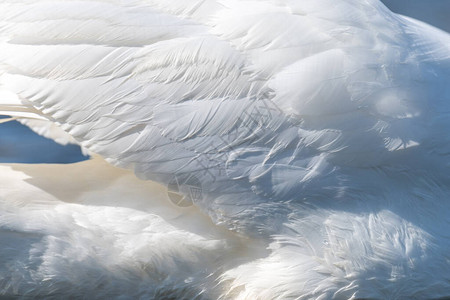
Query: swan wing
268, 96
275, 117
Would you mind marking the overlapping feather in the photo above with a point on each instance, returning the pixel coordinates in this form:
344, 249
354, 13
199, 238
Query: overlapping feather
295, 117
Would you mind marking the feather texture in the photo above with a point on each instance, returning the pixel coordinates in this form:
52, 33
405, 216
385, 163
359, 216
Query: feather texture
316, 128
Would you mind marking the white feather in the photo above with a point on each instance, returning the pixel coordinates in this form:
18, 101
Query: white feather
316, 131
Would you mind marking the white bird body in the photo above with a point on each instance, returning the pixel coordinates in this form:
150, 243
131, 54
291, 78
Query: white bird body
311, 137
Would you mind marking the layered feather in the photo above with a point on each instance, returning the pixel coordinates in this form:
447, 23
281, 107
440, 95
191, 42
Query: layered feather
294, 117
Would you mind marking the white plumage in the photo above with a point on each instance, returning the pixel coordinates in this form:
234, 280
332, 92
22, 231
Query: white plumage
311, 137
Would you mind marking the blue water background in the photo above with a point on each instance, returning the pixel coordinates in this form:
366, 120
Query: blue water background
19, 144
